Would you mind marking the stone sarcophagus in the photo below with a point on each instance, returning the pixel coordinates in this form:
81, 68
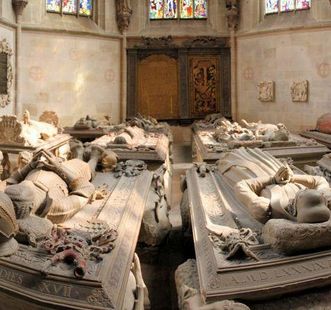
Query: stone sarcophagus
256, 231
139, 140
322, 132
28, 137
106, 230
216, 134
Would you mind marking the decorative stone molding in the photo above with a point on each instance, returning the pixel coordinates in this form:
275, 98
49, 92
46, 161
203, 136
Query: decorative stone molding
19, 6
232, 13
299, 91
161, 42
205, 41
266, 91
123, 15
5, 98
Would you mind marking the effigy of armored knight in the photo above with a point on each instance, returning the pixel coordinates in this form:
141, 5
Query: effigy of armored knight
220, 135
255, 220
68, 233
140, 138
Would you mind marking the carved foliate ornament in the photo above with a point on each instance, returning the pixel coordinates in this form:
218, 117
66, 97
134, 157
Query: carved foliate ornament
299, 91
266, 91
5, 98
160, 42
123, 15
205, 41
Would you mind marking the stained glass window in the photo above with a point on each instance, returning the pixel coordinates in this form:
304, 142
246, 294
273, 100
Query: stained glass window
70, 6
200, 9
271, 6
53, 5
303, 4
156, 9
85, 7
275, 6
286, 5
170, 9
184, 9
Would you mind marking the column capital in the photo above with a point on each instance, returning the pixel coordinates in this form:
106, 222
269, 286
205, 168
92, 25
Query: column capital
19, 6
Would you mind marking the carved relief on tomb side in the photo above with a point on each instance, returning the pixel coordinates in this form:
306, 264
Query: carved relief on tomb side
266, 91
299, 91
10, 130
6, 73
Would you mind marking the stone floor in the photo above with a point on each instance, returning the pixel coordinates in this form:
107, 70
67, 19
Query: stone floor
160, 263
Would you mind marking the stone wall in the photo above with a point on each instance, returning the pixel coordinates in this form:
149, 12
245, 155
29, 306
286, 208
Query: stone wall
70, 74
284, 58
285, 48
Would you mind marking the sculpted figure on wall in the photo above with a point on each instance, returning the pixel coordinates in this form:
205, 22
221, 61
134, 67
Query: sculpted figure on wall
266, 91
232, 13
123, 14
299, 91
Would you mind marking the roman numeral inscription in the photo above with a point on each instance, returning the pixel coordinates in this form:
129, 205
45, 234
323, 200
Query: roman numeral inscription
61, 290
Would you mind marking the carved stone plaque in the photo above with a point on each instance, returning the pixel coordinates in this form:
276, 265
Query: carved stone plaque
299, 91
158, 87
204, 86
266, 91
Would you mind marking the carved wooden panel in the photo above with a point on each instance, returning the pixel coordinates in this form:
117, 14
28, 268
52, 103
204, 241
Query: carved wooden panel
204, 84
158, 87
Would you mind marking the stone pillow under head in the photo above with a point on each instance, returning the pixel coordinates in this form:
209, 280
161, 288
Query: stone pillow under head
291, 238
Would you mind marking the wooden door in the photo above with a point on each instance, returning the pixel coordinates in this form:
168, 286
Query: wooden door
158, 87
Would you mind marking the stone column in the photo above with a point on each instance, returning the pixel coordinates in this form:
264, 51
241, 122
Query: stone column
123, 15
18, 6
232, 15
234, 101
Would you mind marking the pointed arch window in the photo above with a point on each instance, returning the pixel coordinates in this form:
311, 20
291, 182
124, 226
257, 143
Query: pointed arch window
277, 6
174, 9
74, 7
